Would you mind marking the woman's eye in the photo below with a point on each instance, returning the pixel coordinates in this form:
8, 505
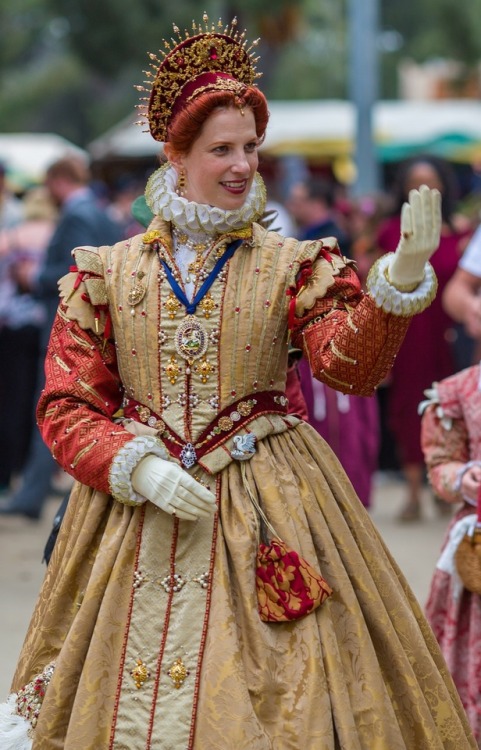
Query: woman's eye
251, 147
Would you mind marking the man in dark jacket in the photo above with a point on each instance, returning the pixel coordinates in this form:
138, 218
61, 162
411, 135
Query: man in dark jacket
81, 222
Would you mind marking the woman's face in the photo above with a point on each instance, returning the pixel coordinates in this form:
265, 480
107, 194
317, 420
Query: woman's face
221, 165
423, 173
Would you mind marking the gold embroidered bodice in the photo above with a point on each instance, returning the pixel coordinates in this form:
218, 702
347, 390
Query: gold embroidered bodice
244, 317
180, 372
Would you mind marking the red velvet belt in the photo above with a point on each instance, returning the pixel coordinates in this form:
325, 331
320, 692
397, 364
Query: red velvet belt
226, 424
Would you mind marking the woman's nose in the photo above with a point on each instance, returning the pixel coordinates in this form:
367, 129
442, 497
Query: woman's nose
240, 162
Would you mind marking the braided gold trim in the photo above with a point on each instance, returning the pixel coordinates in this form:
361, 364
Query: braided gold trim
225, 85
342, 356
401, 287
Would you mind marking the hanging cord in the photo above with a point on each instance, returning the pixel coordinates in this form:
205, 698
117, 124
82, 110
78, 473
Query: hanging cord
265, 524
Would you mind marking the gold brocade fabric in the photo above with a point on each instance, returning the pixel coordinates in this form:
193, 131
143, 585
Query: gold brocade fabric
363, 671
152, 622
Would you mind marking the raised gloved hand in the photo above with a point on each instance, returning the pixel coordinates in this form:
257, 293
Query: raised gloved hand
420, 233
172, 489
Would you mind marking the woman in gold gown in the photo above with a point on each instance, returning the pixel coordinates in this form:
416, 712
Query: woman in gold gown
216, 583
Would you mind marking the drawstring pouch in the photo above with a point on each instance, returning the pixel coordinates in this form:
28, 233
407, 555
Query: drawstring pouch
288, 587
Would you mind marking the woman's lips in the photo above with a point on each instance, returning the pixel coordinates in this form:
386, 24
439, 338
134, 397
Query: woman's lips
235, 186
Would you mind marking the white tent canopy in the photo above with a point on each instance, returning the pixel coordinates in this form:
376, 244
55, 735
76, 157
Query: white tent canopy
27, 155
326, 129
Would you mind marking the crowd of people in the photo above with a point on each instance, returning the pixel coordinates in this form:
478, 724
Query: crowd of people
214, 561
383, 432
37, 234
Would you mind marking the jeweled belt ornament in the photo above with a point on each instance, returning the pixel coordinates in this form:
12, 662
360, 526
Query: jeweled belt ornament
228, 423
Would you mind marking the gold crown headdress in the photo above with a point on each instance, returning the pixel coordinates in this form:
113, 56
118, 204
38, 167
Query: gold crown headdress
209, 59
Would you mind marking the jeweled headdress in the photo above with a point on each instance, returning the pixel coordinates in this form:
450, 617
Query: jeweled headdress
209, 59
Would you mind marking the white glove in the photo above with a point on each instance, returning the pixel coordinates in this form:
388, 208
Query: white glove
420, 233
169, 487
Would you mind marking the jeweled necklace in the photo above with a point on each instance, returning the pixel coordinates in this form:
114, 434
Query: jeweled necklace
199, 248
191, 339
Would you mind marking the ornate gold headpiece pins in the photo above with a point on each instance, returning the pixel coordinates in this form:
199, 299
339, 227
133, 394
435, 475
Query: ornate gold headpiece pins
208, 59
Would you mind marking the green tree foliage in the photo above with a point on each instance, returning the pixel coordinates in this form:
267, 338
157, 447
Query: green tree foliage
69, 66
313, 63
430, 29
107, 35
437, 28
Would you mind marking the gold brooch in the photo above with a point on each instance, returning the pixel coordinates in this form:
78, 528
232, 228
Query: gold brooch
140, 674
178, 672
137, 291
150, 237
172, 305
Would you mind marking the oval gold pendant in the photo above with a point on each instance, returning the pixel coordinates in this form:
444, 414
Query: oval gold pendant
136, 294
191, 339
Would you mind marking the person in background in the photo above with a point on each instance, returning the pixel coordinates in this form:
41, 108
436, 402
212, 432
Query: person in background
22, 249
364, 215
427, 353
278, 216
348, 423
461, 298
127, 189
11, 213
312, 205
216, 582
80, 220
451, 441
10, 206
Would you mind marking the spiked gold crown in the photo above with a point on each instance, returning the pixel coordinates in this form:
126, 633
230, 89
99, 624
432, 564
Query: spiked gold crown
209, 59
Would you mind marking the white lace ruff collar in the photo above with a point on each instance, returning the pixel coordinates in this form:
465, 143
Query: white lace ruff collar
163, 201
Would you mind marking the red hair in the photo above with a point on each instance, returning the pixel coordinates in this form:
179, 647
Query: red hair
187, 125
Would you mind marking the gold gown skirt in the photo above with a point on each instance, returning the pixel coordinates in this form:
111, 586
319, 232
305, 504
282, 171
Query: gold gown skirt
362, 672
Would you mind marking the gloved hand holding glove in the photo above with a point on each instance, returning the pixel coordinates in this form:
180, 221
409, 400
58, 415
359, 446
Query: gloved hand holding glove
172, 489
420, 233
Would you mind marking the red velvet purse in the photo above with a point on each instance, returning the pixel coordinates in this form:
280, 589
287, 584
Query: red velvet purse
288, 587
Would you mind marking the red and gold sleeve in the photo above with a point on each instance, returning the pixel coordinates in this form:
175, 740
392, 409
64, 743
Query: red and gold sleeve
77, 407
446, 452
349, 341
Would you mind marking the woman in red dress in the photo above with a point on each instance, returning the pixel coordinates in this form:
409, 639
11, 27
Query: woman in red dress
427, 352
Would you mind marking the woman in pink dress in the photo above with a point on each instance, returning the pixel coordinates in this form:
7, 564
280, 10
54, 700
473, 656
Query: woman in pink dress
349, 424
451, 439
427, 352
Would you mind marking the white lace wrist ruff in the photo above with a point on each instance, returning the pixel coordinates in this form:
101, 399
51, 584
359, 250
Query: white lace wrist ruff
124, 463
390, 299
